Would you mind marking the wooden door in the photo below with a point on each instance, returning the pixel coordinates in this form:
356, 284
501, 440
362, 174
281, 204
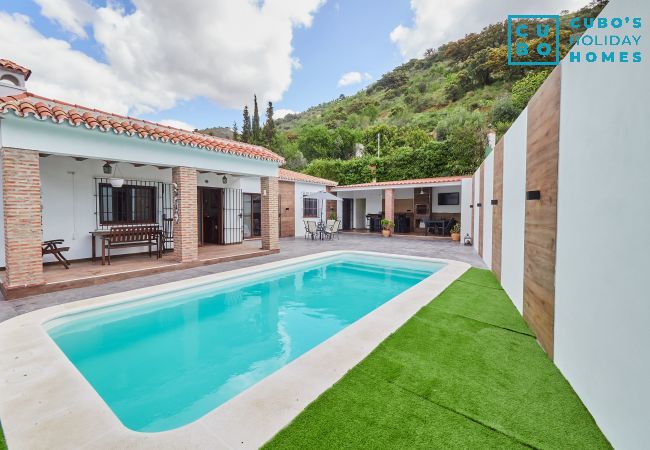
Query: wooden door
347, 213
210, 215
497, 194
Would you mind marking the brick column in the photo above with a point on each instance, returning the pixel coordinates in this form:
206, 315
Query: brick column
270, 192
186, 236
21, 189
389, 204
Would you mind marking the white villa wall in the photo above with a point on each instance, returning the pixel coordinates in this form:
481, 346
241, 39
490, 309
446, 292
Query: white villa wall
477, 199
436, 208
251, 185
602, 301
513, 210
403, 194
360, 222
486, 232
300, 190
373, 201
465, 210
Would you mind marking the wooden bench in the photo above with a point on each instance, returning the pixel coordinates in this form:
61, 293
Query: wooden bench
131, 236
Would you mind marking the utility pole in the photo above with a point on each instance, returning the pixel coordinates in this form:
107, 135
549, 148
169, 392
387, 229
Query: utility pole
378, 145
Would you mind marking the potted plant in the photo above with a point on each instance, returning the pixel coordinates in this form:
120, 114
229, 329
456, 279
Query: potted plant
387, 227
455, 232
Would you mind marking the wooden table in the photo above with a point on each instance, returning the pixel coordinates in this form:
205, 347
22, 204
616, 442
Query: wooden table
94, 235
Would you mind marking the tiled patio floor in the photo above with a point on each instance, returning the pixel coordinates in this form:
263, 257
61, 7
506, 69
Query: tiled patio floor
122, 267
290, 248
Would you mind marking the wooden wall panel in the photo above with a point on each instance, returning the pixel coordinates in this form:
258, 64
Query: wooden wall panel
480, 204
541, 215
497, 195
287, 211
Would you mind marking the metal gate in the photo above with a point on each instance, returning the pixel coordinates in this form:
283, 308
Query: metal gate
233, 212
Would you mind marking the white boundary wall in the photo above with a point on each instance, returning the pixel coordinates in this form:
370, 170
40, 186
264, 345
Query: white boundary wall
513, 210
602, 302
602, 299
486, 232
476, 238
465, 210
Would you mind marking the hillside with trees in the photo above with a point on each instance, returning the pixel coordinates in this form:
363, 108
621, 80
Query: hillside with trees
431, 113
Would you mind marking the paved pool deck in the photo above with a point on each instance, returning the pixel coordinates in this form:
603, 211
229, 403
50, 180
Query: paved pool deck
289, 248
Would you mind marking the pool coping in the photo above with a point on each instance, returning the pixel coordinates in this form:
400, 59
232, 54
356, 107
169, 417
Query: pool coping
45, 401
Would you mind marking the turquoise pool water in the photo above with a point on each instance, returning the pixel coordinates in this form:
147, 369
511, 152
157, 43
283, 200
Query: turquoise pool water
164, 363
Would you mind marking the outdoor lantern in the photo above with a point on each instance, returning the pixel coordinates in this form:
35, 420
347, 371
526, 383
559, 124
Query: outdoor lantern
225, 179
467, 240
107, 168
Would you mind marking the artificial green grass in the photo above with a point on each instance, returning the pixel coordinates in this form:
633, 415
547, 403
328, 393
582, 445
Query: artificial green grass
464, 372
3, 444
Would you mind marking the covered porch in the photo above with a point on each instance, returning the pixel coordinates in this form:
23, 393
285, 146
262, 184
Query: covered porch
421, 208
59, 183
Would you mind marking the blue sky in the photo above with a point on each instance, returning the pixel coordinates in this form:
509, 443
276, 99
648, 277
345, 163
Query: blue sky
198, 62
338, 41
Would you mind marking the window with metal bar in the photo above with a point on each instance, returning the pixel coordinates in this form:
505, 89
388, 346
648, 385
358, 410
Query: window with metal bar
127, 204
309, 207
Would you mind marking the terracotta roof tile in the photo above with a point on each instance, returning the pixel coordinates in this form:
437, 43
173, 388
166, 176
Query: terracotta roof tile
12, 66
290, 175
404, 182
41, 108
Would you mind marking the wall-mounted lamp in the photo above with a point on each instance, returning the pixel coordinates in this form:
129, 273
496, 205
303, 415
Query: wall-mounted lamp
494, 202
478, 205
264, 192
107, 168
533, 195
224, 179
471, 206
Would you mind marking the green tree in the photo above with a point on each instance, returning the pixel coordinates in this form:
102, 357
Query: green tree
524, 89
343, 140
235, 131
503, 110
315, 142
269, 126
256, 122
246, 133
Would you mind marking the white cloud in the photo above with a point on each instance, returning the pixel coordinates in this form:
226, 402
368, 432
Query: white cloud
71, 15
439, 21
161, 53
177, 124
280, 113
350, 78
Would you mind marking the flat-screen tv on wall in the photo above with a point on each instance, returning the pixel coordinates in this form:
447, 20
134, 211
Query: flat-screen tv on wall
449, 198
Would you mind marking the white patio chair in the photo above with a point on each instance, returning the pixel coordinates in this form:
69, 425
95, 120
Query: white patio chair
312, 229
332, 229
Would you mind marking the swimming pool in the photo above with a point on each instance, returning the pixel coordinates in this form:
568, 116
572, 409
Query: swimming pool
164, 361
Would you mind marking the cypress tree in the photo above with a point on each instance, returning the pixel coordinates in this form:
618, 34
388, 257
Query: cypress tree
235, 131
256, 122
246, 126
269, 125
